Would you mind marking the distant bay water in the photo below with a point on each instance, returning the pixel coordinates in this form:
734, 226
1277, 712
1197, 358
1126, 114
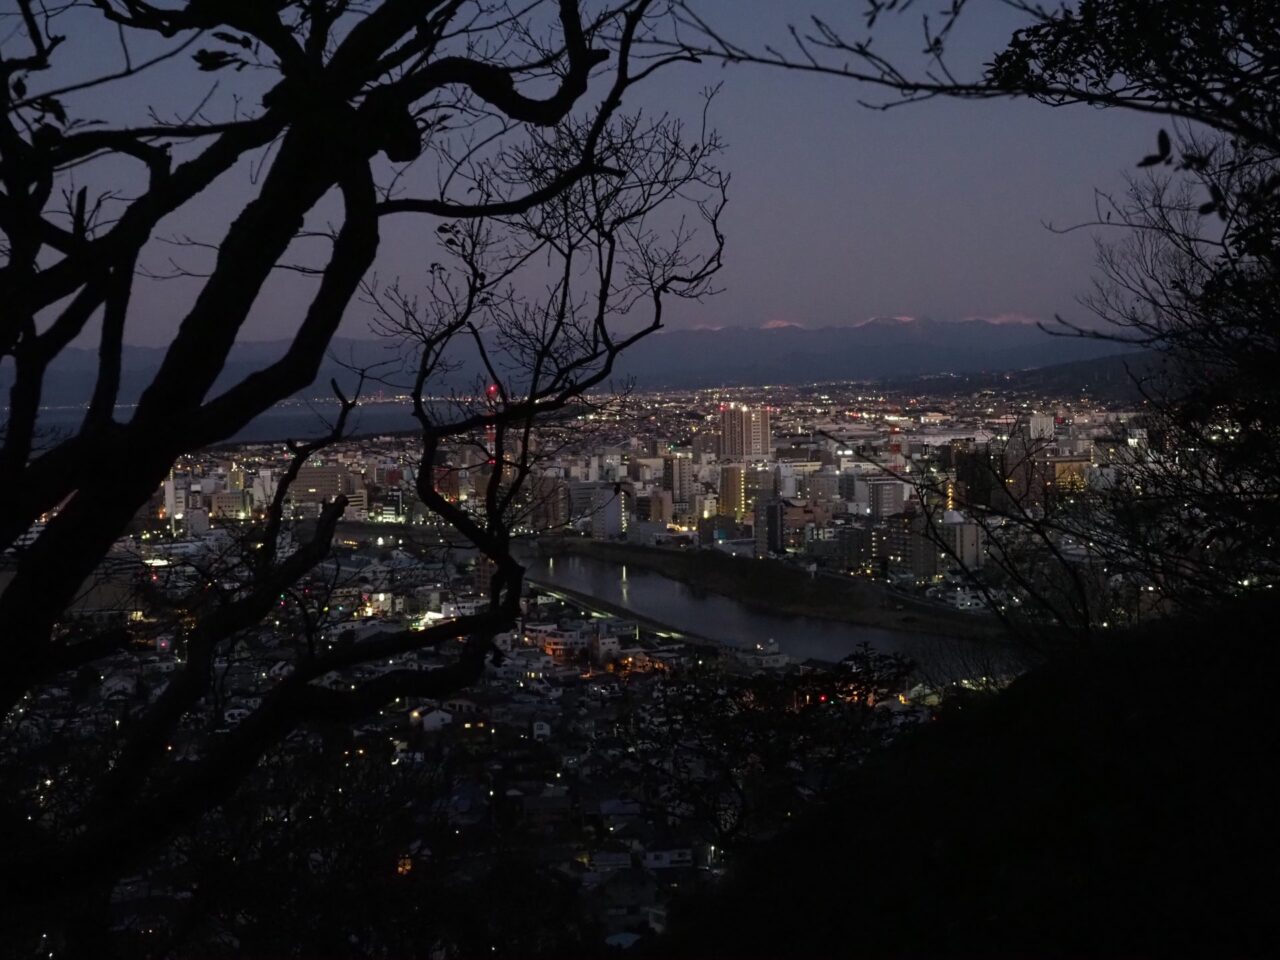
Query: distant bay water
288, 421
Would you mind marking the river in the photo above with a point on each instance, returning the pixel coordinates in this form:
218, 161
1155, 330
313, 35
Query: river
720, 618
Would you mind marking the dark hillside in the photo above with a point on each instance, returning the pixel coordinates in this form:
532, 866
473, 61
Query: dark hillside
1121, 803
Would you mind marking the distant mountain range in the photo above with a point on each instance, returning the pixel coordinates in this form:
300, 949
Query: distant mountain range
733, 356
876, 350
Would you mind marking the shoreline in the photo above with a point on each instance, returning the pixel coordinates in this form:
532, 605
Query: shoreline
773, 587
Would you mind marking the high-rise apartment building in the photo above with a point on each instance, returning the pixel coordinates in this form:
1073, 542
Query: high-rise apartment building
744, 431
549, 508
733, 492
886, 497
678, 477
770, 526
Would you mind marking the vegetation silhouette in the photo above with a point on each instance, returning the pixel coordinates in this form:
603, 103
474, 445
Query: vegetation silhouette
502, 128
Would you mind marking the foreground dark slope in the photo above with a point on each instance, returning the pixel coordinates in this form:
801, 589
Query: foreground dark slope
1118, 803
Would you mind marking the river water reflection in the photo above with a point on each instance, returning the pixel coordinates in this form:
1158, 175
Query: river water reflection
717, 617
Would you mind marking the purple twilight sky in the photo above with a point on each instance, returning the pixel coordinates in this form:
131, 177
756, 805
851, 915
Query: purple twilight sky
837, 212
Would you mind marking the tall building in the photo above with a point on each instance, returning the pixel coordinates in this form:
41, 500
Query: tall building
263, 489
608, 511
733, 493
599, 508
176, 489
706, 442
744, 431
482, 575
548, 507
741, 488
911, 549
678, 477
822, 485
885, 496
1039, 427
964, 540
320, 483
770, 526
848, 484
757, 485
655, 507
227, 505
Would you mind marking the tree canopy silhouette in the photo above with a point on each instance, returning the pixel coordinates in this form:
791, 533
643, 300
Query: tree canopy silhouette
563, 224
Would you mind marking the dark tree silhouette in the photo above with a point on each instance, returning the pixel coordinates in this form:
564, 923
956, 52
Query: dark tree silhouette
501, 126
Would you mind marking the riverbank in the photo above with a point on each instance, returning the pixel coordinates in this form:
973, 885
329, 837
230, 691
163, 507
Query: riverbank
597, 605
774, 587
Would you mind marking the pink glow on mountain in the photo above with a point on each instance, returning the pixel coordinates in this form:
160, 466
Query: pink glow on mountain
1004, 319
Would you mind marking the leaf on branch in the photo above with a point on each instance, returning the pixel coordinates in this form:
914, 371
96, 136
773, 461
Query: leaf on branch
1218, 202
239, 41
210, 60
401, 140
1163, 147
1195, 161
20, 88
52, 107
